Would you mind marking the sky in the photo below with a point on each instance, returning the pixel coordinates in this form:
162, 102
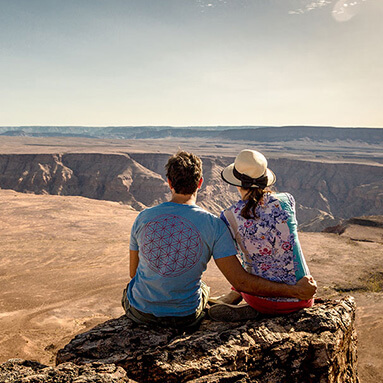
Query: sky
191, 62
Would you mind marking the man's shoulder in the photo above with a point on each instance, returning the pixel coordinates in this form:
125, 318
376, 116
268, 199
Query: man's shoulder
204, 219
149, 212
201, 210
204, 216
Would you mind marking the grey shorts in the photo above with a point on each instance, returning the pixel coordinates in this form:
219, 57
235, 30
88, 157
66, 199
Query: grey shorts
189, 322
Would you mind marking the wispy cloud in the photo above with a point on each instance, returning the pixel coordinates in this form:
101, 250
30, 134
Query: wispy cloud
210, 3
311, 6
206, 5
346, 10
342, 10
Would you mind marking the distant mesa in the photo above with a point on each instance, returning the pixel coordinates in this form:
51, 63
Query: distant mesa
23, 133
14, 133
234, 133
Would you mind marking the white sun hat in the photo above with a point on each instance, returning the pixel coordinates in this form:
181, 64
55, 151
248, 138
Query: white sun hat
249, 170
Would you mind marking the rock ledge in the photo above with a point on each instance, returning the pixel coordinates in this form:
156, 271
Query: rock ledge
313, 345
27, 371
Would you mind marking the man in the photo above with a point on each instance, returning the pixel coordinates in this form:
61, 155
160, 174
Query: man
170, 247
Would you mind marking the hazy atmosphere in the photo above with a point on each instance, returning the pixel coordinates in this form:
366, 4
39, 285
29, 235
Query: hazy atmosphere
191, 62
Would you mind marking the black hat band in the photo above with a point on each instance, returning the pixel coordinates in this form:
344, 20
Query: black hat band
248, 182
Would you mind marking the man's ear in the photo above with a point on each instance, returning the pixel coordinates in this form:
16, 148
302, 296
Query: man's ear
170, 184
200, 182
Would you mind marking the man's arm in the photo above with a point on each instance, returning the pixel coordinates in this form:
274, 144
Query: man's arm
133, 263
252, 284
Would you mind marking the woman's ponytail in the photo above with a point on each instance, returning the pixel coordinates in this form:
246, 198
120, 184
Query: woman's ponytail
252, 198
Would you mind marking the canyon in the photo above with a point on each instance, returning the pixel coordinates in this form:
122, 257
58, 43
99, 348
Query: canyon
326, 193
68, 204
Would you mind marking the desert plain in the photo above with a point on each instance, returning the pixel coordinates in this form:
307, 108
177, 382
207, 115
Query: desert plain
64, 263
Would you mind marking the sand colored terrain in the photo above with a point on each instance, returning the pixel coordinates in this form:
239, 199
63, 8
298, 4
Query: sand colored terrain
64, 262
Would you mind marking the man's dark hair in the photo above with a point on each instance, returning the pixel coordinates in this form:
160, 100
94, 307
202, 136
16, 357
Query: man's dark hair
184, 171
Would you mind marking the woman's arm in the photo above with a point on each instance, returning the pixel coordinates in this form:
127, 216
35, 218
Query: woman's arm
133, 264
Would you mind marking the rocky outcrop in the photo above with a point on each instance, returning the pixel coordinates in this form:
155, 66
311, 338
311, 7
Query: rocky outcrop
313, 345
27, 371
100, 176
362, 229
338, 189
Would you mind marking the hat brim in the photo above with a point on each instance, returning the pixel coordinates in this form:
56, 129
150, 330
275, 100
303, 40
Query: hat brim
228, 176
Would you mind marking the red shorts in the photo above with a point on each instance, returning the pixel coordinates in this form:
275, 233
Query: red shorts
266, 306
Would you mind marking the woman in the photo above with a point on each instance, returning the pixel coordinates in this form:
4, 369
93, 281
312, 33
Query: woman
264, 227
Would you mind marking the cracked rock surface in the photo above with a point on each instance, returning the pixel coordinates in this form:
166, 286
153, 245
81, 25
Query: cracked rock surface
318, 344
27, 371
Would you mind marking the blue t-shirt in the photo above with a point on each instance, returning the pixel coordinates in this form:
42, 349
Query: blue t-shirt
175, 243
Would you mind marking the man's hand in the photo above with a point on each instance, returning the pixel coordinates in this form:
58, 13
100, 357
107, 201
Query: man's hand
305, 288
245, 282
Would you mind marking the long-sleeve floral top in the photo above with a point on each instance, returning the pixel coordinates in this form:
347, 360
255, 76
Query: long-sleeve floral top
268, 244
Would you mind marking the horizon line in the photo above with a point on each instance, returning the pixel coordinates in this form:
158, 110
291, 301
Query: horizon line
192, 126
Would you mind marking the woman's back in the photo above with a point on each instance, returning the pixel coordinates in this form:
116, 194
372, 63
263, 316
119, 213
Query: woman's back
264, 227
268, 244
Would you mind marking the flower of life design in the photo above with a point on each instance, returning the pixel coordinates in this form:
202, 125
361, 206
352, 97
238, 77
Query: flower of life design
171, 245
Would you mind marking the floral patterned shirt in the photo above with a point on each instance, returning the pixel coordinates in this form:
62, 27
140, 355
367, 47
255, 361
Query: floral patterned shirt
268, 244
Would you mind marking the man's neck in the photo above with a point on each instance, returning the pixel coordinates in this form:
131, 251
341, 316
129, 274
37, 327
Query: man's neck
184, 199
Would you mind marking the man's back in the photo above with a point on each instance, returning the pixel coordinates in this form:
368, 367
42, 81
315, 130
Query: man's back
175, 243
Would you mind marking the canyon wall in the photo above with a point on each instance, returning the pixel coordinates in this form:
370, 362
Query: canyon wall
99, 176
325, 193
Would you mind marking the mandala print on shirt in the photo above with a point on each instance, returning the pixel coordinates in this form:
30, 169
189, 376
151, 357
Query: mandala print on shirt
171, 245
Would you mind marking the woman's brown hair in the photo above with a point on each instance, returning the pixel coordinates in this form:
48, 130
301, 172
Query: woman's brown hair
252, 198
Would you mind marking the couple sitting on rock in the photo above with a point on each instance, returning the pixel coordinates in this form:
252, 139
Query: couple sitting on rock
172, 243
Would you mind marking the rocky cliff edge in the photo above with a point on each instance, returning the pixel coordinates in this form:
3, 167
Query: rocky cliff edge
313, 345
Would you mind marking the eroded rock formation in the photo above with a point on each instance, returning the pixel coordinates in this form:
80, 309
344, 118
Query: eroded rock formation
313, 345
325, 193
113, 177
27, 371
